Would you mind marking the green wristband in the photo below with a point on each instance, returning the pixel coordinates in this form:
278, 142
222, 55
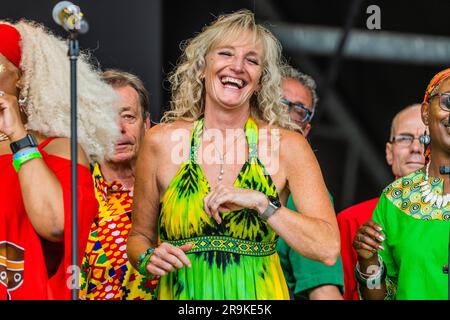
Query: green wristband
17, 163
143, 261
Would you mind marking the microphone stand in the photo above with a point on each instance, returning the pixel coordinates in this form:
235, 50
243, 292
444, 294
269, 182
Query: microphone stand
445, 269
74, 51
69, 16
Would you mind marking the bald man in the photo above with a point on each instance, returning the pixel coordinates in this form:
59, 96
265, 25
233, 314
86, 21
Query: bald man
404, 153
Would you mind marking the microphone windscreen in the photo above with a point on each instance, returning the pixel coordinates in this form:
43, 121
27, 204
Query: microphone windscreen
57, 9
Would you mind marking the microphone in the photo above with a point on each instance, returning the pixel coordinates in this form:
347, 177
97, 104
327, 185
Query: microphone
70, 17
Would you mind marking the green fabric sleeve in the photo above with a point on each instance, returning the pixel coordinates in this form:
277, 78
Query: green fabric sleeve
303, 274
309, 274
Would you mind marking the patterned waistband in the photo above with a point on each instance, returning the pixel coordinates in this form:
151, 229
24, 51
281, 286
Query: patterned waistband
228, 244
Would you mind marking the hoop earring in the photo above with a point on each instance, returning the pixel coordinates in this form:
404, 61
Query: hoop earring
22, 101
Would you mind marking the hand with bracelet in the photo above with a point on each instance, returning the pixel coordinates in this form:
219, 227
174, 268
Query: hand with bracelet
163, 259
367, 241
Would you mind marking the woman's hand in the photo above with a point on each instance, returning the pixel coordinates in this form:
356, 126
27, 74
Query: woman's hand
166, 258
225, 199
368, 239
10, 119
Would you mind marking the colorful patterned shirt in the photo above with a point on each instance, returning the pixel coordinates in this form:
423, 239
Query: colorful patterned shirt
106, 272
417, 235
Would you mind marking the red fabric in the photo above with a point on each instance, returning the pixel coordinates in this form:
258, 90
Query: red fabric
21, 246
349, 221
10, 44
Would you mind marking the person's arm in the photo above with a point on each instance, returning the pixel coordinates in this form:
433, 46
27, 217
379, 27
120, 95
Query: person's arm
44, 200
41, 191
144, 231
313, 280
325, 292
314, 233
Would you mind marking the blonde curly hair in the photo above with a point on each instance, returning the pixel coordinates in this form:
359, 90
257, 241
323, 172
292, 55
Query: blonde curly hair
45, 85
188, 90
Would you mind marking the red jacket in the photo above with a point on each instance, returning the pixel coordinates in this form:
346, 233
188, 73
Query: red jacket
349, 220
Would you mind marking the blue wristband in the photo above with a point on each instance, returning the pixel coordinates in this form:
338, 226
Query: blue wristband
24, 152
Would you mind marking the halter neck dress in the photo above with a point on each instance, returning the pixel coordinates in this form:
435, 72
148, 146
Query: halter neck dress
236, 259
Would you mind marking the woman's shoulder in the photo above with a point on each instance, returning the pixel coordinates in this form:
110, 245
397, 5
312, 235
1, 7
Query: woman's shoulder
290, 140
164, 135
274, 129
168, 127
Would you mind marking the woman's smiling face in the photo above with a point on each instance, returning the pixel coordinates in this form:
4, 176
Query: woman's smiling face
233, 71
438, 119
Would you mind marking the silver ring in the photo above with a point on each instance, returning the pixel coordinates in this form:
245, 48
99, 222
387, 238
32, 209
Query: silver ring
2, 93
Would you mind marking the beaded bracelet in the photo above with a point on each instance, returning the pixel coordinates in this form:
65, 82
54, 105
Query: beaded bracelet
371, 280
143, 261
24, 156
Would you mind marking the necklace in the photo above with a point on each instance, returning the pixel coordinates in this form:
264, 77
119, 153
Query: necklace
438, 200
221, 156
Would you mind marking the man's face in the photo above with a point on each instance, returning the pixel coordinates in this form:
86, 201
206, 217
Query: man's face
132, 125
405, 159
296, 92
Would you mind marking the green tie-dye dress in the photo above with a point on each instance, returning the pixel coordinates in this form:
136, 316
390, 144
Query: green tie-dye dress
236, 259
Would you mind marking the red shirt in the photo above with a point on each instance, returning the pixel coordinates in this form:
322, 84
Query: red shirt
349, 221
23, 269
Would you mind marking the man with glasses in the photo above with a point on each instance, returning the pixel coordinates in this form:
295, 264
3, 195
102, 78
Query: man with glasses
300, 97
307, 279
404, 153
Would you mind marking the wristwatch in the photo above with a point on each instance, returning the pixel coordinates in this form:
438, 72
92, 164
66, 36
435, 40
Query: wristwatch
28, 141
274, 205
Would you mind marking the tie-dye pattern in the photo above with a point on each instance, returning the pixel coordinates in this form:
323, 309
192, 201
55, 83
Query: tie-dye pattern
218, 274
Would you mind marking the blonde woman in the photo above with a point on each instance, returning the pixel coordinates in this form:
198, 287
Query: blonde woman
218, 215
35, 214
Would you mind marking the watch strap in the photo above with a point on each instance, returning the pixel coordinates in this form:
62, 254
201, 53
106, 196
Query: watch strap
274, 205
27, 141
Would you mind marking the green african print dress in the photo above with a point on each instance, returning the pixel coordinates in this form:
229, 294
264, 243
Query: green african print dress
417, 235
236, 259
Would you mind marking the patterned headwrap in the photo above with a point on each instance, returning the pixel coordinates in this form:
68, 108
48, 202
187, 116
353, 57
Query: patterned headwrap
434, 83
10, 44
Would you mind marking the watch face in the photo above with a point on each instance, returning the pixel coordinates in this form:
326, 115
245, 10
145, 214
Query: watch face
275, 201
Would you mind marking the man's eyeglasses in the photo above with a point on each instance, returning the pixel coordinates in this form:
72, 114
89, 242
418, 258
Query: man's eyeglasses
444, 100
405, 140
305, 115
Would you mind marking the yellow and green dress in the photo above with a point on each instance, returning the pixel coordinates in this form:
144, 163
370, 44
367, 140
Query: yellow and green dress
235, 259
417, 238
